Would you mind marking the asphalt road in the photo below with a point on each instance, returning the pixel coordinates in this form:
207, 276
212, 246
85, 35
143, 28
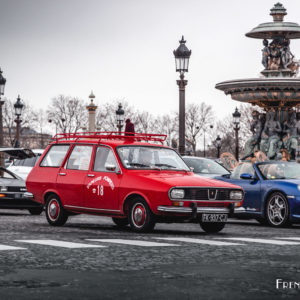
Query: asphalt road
175, 261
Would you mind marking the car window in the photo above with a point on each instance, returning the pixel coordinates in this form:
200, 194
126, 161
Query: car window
18, 162
104, 157
6, 175
205, 166
80, 158
149, 157
241, 169
55, 156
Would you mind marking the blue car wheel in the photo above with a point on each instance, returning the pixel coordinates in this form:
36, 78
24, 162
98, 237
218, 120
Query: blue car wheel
277, 210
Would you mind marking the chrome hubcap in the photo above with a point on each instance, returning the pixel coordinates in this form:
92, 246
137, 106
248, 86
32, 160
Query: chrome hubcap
138, 215
277, 210
53, 210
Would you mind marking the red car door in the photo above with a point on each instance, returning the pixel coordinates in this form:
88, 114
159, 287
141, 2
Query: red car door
103, 181
71, 176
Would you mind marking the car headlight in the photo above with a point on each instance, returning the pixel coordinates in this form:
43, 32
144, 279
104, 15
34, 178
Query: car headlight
3, 189
236, 195
177, 194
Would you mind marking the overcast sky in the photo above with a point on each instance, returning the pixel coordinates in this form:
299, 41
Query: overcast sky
123, 49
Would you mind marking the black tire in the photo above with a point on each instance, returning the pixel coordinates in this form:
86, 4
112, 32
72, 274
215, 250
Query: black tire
277, 210
55, 213
140, 217
212, 227
35, 211
121, 222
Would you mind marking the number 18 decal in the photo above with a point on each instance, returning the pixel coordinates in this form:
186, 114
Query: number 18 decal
100, 190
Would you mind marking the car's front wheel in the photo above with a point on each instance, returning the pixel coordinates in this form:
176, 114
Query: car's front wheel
212, 227
55, 213
277, 210
35, 211
141, 218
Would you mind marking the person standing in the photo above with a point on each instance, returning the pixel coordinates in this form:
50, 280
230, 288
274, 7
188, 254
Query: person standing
129, 128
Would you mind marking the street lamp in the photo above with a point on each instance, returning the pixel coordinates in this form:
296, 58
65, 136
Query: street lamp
18, 111
120, 117
182, 55
236, 122
204, 144
2, 86
218, 144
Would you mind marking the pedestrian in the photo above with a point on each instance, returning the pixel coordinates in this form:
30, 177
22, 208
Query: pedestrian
129, 127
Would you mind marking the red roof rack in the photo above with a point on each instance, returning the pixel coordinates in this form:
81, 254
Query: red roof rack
112, 135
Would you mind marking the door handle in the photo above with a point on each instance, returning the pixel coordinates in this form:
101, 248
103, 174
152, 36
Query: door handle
62, 174
90, 175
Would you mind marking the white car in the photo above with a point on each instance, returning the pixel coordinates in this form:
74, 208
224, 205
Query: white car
22, 167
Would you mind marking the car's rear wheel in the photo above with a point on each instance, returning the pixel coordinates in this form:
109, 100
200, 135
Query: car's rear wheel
35, 211
141, 218
120, 222
55, 213
277, 210
212, 227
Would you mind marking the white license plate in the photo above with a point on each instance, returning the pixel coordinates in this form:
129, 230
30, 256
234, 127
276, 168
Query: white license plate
214, 217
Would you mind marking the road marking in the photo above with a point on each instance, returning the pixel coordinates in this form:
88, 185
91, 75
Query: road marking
289, 238
132, 242
59, 244
4, 247
262, 241
200, 241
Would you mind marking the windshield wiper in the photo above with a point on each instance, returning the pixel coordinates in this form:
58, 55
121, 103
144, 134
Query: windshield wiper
165, 165
139, 165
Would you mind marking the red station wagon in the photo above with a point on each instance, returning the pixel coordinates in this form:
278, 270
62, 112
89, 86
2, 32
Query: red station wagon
132, 179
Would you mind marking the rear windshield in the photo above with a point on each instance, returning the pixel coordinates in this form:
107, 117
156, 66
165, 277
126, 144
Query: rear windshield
27, 162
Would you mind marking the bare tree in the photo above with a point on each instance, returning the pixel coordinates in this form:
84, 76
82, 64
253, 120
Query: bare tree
9, 120
198, 118
67, 113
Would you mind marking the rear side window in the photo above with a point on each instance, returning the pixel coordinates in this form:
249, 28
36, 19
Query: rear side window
80, 158
55, 156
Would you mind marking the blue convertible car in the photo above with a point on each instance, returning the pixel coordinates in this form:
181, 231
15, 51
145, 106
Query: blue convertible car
272, 191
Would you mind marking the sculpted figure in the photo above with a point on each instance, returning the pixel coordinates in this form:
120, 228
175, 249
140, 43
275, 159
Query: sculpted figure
270, 142
265, 54
256, 129
290, 139
286, 54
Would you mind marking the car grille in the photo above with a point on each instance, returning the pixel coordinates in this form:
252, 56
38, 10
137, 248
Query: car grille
207, 194
16, 189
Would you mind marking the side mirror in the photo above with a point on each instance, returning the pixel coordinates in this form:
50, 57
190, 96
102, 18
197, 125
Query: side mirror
246, 176
110, 167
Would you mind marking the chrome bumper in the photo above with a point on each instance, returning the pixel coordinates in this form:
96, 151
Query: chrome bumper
239, 210
175, 209
28, 195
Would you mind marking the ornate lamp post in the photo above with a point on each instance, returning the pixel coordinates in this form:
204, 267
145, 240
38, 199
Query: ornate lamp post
236, 122
18, 111
182, 55
2, 86
218, 144
120, 117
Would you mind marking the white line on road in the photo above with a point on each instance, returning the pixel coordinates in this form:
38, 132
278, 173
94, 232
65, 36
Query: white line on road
4, 247
59, 244
289, 238
262, 241
132, 242
200, 241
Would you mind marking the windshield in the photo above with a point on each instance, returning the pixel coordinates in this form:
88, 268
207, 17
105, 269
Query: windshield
280, 170
27, 162
147, 157
205, 166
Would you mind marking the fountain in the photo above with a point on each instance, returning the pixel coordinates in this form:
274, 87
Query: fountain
277, 91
